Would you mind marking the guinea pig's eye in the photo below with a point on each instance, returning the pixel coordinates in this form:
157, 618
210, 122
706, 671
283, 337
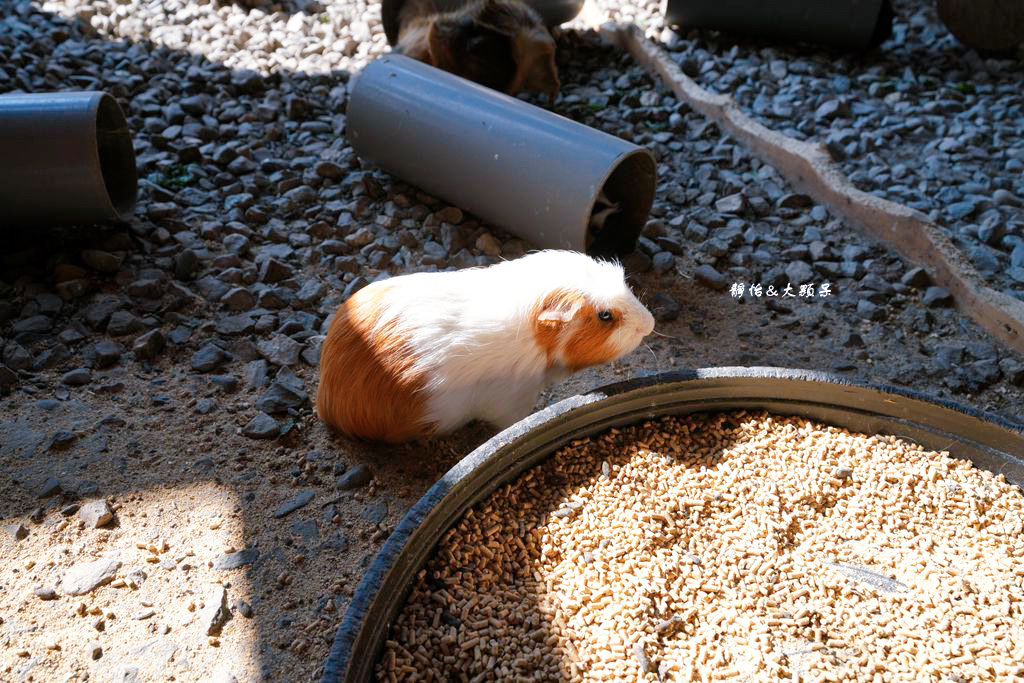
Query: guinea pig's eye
605, 316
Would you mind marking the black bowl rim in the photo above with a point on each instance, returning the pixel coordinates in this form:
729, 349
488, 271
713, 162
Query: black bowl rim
340, 657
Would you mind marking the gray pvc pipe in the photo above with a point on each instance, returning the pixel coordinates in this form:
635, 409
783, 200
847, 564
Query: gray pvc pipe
512, 164
842, 23
552, 12
65, 158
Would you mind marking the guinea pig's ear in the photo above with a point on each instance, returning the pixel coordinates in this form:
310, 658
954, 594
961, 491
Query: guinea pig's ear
559, 310
444, 40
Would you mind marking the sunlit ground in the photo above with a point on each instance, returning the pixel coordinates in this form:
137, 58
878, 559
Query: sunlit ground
152, 614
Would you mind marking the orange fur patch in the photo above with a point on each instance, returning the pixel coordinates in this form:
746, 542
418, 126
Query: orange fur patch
588, 343
369, 384
586, 337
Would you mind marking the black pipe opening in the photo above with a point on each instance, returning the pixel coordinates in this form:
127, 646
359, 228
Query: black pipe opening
631, 186
117, 156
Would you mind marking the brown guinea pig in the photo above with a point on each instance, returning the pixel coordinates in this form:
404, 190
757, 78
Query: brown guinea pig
423, 354
502, 44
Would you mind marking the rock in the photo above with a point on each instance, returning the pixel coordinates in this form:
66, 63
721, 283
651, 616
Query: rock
215, 612
449, 214
329, 169
236, 560
208, 358
360, 238
853, 341
238, 299
122, 323
870, 311
830, 109
256, 376
795, 201
354, 478
95, 650
664, 308
96, 514
949, 356
985, 372
1005, 198
61, 439
235, 325
800, 273
489, 244
16, 531
357, 283
280, 350
937, 297
261, 427
982, 350
46, 593
1013, 370
54, 356
274, 298
734, 203
311, 293
102, 261
237, 244
97, 314
663, 262
311, 354
991, 232
960, 210
36, 324
87, 577
294, 504
77, 377
50, 487
16, 357
145, 289
287, 392
104, 354
241, 165
149, 345
710, 277
273, 271
205, 406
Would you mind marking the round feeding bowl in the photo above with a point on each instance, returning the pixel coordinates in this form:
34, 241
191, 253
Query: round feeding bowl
989, 442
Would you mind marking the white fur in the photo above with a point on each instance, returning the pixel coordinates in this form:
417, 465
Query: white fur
472, 333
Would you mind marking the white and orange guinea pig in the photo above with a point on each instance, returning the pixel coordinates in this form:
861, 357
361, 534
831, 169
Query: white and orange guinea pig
423, 354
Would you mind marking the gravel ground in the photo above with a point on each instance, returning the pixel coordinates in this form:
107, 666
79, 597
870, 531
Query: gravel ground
164, 368
922, 120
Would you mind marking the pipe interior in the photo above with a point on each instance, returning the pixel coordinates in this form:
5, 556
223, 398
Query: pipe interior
117, 156
631, 185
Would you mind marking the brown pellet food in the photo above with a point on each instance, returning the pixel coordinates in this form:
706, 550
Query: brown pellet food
726, 547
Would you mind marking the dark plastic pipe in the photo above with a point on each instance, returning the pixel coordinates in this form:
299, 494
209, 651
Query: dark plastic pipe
852, 24
990, 442
520, 167
65, 158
